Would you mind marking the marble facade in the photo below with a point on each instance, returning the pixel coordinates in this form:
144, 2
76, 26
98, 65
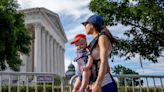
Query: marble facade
47, 48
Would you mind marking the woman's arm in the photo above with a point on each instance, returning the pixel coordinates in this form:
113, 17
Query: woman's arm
103, 46
90, 62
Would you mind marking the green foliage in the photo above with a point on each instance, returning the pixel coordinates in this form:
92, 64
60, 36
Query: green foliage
40, 88
66, 80
57, 89
123, 70
146, 19
57, 80
14, 38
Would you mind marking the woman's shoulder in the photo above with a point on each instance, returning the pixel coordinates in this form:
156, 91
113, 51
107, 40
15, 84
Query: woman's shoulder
104, 41
103, 38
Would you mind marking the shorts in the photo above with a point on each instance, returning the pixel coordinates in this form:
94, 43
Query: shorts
80, 77
108, 88
108, 84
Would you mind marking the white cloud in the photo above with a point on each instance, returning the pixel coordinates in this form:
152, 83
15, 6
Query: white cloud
67, 62
72, 32
25, 3
118, 30
160, 63
69, 7
149, 71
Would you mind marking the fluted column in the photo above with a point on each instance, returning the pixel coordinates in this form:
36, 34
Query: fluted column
63, 62
46, 50
57, 62
37, 49
48, 53
55, 56
43, 51
51, 54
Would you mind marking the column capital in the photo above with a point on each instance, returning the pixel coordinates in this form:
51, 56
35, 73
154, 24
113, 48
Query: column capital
63, 49
57, 44
51, 38
43, 28
37, 25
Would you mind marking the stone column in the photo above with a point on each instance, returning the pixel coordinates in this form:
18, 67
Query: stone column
60, 52
55, 57
63, 61
41, 60
44, 51
51, 54
57, 62
48, 53
37, 52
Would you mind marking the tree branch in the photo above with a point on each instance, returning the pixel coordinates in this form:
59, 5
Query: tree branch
149, 31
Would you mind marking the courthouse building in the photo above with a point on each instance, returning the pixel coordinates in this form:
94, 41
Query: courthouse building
47, 45
47, 48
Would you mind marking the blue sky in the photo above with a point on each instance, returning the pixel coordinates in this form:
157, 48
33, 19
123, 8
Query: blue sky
72, 13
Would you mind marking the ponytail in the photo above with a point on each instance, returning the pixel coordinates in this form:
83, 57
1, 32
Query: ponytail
106, 31
108, 34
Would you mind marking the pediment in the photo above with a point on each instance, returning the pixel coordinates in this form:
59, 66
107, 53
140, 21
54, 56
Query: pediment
51, 17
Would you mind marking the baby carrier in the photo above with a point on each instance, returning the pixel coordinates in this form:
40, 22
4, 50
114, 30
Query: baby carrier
82, 54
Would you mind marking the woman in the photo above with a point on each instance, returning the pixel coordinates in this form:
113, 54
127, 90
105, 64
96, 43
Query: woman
100, 51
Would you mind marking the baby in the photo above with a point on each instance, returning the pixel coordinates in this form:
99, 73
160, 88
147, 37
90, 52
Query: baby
84, 63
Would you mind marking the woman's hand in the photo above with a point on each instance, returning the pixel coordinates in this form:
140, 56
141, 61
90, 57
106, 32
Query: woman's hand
96, 88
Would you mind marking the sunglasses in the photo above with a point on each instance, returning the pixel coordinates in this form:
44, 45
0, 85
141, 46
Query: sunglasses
85, 23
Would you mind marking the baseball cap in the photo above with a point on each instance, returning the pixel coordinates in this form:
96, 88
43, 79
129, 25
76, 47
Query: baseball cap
95, 19
77, 37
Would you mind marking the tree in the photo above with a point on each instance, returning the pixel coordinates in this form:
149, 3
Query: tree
146, 19
123, 70
119, 69
14, 38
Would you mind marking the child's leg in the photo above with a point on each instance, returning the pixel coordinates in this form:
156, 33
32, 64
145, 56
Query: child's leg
76, 85
85, 80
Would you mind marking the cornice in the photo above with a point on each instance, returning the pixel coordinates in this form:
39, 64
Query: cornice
45, 11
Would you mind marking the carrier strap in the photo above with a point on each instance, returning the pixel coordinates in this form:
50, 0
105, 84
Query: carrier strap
94, 42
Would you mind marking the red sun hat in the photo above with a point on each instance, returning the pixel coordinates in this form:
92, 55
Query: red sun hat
77, 37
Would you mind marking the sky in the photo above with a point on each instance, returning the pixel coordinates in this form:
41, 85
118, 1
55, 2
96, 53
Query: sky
72, 13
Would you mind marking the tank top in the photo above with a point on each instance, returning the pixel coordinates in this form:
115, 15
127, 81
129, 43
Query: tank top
96, 53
